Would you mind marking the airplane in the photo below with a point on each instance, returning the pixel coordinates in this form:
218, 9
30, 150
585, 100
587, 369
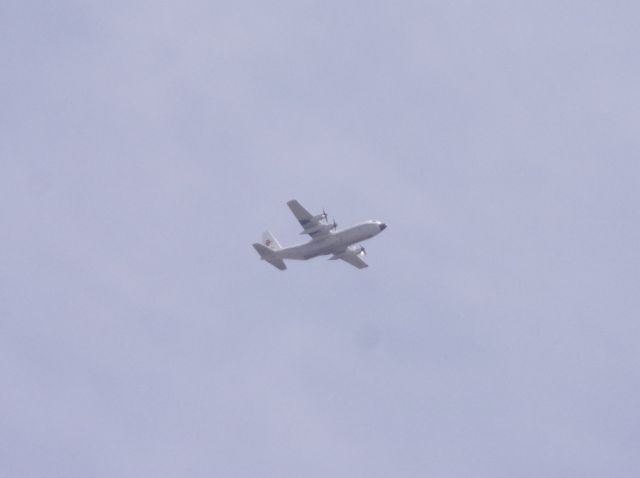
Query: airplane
325, 240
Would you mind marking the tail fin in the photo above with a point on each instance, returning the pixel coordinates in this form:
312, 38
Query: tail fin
270, 241
269, 256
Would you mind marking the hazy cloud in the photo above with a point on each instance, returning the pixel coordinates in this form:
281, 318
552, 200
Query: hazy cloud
146, 145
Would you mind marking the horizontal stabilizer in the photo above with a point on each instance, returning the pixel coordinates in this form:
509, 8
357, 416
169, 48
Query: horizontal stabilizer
269, 256
279, 263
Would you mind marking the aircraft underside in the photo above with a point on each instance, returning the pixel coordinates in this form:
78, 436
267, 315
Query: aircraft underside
325, 240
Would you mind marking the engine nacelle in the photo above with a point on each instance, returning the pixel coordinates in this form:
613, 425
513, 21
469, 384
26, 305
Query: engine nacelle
359, 250
320, 217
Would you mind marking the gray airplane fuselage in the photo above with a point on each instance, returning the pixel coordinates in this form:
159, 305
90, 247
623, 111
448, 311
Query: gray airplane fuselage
335, 242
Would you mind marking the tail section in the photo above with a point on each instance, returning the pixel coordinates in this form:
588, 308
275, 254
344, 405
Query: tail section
269, 255
270, 241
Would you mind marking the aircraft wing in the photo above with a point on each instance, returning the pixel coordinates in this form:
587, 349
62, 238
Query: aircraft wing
352, 257
310, 223
355, 261
304, 217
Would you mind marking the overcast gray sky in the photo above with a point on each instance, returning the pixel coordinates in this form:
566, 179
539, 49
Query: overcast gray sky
145, 145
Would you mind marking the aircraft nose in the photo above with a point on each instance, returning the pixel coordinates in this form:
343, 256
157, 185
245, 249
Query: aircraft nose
382, 226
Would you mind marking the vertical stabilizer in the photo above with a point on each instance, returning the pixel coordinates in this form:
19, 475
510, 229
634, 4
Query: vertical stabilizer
270, 241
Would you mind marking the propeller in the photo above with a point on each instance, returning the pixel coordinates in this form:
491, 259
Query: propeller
362, 251
334, 225
323, 215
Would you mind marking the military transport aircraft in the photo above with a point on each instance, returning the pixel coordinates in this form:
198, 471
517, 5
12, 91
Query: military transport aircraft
325, 240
